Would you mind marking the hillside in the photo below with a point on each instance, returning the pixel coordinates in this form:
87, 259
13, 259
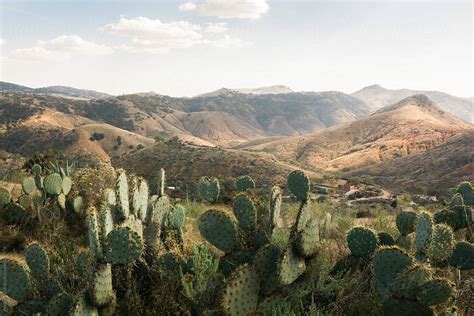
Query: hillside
266, 90
376, 97
54, 90
432, 172
410, 126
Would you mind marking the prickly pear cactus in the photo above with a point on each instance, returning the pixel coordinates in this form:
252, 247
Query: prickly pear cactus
442, 243
15, 278
275, 207
143, 192
66, 185
177, 217
36, 170
122, 246
94, 233
401, 307
209, 189
61, 304
5, 197
464, 216
423, 230
240, 295
102, 292
308, 239
15, 214
361, 241
456, 200
244, 183
299, 184
290, 266
327, 225
447, 217
266, 265
467, 192
435, 291
408, 283
37, 259
121, 194
53, 184
219, 229
406, 222
244, 211
462, 257
385, 239
28, 185
162, 184
303, 216
388, 263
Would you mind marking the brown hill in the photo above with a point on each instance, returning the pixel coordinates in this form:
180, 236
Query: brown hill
432, 172
377, 97
411, 126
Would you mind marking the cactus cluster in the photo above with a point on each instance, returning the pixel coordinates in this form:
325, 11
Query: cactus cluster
209, 189
244, 183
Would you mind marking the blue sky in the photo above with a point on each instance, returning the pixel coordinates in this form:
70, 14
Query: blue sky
183, 48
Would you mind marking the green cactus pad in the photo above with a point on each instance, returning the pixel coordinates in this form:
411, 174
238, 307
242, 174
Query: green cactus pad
405, 242
61, 199
53, 184
385, 239
162, 183
106, 222
109, 197
244, 211
435, 291
82, 307
361, 241
209, 189
408, 283
235, 259
400, 307
290, 266
28, 185
266, 264
122, 246
303, 216
62, 304
66, 185
406, 222
159, 211
308, 239
39, 182
37, 259
121, 194
26, 201
134, 194
219, 229
240, 295
15, 279
387, 264
102, 291
143, 191
177, 216
463, 256
36, 170
275, 207
464, 216
94, 233
244, 183
299, 184
14, 214
84, 264
327, 226
447, 217
442, 243
423, 230
467, 192
456, 200
5, 197
78, 205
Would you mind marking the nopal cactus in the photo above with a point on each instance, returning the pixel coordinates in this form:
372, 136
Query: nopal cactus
15, 281
442, 243
462, 256
241, 290
219, 229
361, 241
424, 227
244, 183
37, 259
299, 184
209, 189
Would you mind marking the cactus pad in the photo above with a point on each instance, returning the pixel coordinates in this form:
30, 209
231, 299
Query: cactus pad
177, 216
388, 263
53, 184
308, 239
122, 246
265, 263
240, 295
299, 184
447, 217
28, 185
467, 192
244, 211
244, 183
408, 283
406, 222
26, 201
303, 216
385, 239
290, 266
435, 291
61, 304
219, 229
5, 197
143, 191
399, 307
66, 185
102, 291
275, 207
209, 189
361, 241
14, 214
462, 256
121, 194
442, 243
37, 259
423, 230
456, 200
15, 279
36, 170
94, 233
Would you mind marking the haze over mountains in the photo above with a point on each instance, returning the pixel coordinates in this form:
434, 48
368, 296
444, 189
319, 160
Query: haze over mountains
274, 127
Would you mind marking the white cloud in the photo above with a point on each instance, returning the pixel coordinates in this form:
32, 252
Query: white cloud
228, 9
154, 36
61, 48
2, 41
216, 27
187, 6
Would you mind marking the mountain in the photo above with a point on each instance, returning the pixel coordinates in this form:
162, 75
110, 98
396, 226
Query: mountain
432, 171
376, 97
54, 90
277, 89
410, 126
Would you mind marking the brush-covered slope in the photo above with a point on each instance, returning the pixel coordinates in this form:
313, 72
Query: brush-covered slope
376, 97
410, 126
433, 171
54, 90
277, 89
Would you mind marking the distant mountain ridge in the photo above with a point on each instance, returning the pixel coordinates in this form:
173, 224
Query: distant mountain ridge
54, 90
376, 97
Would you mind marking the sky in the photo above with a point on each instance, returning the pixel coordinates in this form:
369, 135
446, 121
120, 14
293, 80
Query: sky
189, 47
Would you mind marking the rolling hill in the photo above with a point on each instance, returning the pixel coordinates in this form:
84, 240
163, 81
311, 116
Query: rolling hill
54, 90
377, 97
410, 126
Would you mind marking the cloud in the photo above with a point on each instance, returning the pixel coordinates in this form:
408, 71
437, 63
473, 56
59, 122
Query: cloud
2, 41
62, 48
228, 9
187, 6
216, 27
150, 36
